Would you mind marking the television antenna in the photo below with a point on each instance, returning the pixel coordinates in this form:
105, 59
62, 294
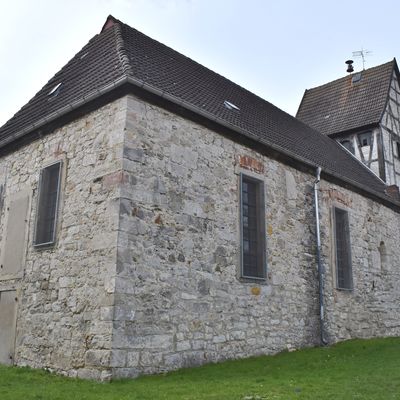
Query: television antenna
363, 54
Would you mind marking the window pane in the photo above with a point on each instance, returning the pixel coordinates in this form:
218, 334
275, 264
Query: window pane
253, 228
365, 138
343, 250
47, 205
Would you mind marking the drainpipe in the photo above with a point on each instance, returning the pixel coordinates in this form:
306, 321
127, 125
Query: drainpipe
319, 260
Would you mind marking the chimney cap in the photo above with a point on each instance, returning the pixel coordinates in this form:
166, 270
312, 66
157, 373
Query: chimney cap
350, 68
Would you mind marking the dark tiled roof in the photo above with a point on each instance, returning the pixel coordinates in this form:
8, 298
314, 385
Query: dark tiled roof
94, 66
341, 106
121, 53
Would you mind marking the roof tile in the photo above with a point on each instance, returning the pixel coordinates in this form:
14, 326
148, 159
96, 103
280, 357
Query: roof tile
121, 51
341, 106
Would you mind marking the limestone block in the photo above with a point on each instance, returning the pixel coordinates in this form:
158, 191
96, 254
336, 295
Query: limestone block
118, 358
97, 358
291, 189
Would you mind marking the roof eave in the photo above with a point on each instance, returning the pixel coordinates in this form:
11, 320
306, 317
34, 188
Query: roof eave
186, 105
353, 130
63, 111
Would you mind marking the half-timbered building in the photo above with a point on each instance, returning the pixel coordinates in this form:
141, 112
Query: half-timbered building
362, 112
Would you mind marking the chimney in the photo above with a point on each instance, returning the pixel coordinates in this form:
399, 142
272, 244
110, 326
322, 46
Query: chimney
350, 68
393, 192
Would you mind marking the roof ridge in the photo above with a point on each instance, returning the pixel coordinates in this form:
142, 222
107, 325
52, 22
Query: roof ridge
121, 50
120, 24
347, 76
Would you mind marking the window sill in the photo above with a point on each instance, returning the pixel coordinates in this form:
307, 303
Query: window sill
44, 246
344, 290
247, 279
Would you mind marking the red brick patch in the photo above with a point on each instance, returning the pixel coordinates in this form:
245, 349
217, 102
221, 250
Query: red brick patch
114, 179
339, 197
251, 163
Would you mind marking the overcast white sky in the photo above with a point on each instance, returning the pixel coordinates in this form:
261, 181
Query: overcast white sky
275, 49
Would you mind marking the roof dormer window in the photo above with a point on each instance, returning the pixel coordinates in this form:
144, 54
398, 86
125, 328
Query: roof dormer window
231, 106
56, 89
356, 78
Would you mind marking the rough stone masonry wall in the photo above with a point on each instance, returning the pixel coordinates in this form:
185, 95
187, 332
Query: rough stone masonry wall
179, 301
66, 295
372, 308
145, 274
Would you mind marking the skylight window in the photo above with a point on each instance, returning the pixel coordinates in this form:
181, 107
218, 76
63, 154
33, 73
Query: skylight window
356, 78
231, 106
56, 89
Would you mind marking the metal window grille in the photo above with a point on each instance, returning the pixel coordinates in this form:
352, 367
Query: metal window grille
47, 206
343, 250
252, 217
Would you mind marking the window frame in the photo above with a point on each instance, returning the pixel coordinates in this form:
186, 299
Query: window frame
260, 215
367, 135
397, 144
38, 202
350, 286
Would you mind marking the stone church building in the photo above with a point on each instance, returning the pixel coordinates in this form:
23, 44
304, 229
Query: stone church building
155, 215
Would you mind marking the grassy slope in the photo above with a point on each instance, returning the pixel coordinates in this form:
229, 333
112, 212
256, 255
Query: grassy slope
359, 369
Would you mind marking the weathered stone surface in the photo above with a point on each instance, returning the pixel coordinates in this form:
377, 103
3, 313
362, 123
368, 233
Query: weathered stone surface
65, 311
145, 275
193, 255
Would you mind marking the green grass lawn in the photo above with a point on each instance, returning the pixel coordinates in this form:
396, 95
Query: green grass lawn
357, 369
